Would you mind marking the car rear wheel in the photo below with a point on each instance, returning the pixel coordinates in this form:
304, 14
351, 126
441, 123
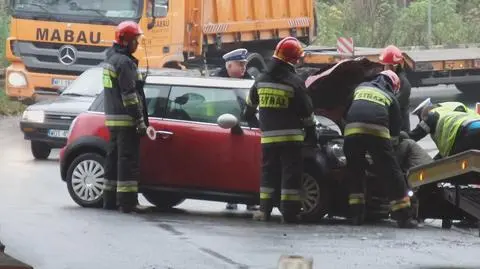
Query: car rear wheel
40, 150
163, 200
85, 179
315, 202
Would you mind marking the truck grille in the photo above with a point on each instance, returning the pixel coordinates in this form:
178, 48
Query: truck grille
40, 57
59, 119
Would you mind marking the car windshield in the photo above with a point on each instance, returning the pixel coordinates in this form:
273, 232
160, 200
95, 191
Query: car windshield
88, 8
89, 83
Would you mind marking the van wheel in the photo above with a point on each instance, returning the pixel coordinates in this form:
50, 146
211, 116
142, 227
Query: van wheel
163, 200
40, 150
315, 202
85, 177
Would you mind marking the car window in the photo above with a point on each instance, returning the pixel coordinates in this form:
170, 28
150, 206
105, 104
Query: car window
157, 99
203, 104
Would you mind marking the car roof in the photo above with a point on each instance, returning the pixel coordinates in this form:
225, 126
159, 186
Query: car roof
216, 82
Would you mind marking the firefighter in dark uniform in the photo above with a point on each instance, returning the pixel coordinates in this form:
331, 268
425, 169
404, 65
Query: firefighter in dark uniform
126, 119
285, 110
392, 59
452, 125
235, 67
372, 122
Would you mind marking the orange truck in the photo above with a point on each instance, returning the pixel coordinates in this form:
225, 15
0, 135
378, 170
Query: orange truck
52, 42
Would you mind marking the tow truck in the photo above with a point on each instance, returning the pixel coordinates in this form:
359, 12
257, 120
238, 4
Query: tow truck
448, 189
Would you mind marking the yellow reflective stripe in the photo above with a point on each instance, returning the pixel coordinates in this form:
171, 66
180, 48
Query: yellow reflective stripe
282, 132
367, 128
109, 185
270, 91
356, 199
119, 123
400, 204
130, 99
373, 95
265, 195
127, 189
283, 138
127, 186
290, 197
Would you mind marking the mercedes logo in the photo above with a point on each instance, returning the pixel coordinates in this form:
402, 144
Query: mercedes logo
67, 55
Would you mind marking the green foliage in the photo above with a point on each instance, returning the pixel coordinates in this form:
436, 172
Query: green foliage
376, 23
8, 107
4, 25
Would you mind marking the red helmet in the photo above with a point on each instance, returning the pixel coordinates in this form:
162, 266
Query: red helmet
391, 55
393, 78
127, 31
289, 50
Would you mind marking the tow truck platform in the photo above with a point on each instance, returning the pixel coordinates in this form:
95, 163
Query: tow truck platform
448, 189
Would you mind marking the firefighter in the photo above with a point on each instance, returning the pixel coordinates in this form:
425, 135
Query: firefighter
372, 122
235, 65
126, 119
286, 121
452, 125
392, 59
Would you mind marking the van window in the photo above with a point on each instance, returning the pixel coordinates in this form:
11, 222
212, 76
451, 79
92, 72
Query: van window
160, 10
202, 104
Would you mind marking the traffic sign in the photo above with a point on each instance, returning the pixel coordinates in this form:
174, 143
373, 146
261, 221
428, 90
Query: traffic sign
345, 46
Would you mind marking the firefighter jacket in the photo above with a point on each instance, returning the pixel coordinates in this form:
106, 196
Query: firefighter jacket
374, 110
123, 90
224, 74
443, 123
283, 105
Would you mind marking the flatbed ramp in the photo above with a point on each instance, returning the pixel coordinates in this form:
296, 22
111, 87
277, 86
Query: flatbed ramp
450, 187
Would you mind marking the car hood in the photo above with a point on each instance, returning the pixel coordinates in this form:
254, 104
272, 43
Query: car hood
73, 105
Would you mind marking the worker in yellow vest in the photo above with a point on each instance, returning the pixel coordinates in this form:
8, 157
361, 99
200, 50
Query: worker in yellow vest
453, 126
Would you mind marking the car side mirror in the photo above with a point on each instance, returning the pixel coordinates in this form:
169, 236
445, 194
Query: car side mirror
229, 121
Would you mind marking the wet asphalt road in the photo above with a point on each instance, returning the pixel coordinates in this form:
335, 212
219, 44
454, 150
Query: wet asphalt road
42, 226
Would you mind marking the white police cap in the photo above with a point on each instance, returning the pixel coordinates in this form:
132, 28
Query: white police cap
418, 110
236, 55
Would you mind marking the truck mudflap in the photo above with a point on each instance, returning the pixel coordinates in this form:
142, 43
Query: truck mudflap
448, 189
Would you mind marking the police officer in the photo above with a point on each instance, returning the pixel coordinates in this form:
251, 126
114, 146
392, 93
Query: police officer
452, 125
372, 120
392, 59
284, 111
235, 65
126, 119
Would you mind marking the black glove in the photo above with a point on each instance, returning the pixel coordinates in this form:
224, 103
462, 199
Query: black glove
141, 128
310, 136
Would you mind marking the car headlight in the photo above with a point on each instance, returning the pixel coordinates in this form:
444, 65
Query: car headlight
17, 79
33, 116
335, 150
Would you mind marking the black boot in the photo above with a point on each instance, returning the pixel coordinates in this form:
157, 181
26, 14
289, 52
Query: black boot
357, 214
110, 200
2, 247
404, 218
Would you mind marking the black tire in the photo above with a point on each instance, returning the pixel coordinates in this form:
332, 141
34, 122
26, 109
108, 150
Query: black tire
98, 159
315, 208
40, 150
163, 200
447, 223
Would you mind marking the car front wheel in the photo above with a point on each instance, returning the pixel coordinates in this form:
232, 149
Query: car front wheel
40, 150
85, 179
315, 197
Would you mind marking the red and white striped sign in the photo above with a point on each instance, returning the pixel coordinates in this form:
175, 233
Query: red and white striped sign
345, 45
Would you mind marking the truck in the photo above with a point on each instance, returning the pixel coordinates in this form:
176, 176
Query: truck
52, 42
424, 67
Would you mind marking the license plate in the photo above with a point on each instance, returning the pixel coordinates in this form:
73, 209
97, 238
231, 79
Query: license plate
62, 83
58, 133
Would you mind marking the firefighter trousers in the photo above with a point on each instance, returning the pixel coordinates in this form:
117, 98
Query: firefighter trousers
383, 156
122, 169
282, 171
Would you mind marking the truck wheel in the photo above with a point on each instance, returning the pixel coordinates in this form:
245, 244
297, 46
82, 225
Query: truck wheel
163, 200
469, 89
85, 177
315, 193
40, 150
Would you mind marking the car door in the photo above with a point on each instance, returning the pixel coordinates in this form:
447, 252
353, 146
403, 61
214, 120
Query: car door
153, 165
202, 154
